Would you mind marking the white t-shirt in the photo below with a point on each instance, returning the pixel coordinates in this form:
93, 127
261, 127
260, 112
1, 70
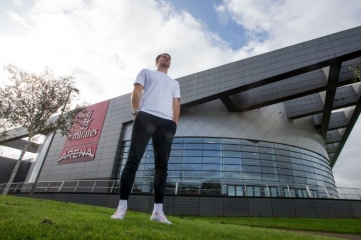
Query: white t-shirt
158, 93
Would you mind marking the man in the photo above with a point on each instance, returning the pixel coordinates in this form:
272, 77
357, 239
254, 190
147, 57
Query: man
156, 109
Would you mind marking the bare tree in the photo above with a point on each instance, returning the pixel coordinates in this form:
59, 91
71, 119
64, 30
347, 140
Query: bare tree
38, 103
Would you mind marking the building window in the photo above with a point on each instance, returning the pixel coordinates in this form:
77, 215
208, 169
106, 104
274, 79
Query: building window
234, 163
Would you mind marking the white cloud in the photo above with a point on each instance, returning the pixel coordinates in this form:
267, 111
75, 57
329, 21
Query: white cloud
105, 43
273, 24
17, 18
18, 2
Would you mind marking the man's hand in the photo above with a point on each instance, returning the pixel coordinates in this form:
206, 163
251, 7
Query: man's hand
176, 110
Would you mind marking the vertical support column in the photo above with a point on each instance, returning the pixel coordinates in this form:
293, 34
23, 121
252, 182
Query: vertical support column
176, 188
333, 75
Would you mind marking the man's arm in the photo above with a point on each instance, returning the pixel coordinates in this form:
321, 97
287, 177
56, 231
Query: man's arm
176, 110
136, 96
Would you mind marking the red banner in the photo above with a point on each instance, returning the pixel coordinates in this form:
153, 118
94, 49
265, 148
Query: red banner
82, 144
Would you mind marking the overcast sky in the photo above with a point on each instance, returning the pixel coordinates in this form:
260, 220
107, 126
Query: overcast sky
104, 43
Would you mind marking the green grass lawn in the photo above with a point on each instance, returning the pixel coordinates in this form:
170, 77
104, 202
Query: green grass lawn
26, 218
334, 225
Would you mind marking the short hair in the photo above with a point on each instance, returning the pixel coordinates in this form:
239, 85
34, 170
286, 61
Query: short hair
157, 58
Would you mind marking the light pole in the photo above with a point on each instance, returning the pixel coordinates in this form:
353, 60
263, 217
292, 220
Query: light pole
51, 140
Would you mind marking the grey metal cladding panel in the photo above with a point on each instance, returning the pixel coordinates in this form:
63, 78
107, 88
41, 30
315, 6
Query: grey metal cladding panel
189, 90
119, 109
345, 96
345, 72
168, 206
263, 65
252, 61
211, 206
44, 196
208, 91
305, 208
348, 48
314, 58
337, 120
331, 156
188, 86
283, 207
236, 70
186, 206
64, 197
304, 105
290, 86
313, 80
117, 104
314, 45
78, 198
259, 76
248, 70
140, 202
343, 208
255, 96
207, 80
345, 34
200, 85
331, 148
188, 97
20, 143
325, 208
317, 50
95, 199
356, 206
235, 206
260, 207
229, 67
346, 42
112, 201
188, 80
209, 84
18, 132
317, 119
288, 64
234, 79
284, 53
333, 136
284, 88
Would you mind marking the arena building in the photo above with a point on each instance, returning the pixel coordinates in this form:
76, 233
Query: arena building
268, 127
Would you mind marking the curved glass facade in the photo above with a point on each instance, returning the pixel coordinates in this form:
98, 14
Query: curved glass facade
237, 167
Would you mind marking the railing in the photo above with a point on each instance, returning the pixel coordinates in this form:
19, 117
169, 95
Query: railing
187, 188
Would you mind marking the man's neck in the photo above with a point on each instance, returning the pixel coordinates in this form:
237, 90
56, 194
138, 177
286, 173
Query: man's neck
162, 69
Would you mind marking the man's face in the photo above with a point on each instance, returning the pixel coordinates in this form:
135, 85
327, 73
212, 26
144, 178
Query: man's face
164, 61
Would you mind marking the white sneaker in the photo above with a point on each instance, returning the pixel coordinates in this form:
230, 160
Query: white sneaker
119, 214
159, 217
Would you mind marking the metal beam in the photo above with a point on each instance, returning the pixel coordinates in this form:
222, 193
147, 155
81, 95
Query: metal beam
333, 76
346, 134
228, 103
20, 143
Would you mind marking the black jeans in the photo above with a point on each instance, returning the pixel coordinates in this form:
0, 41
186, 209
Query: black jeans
162, 132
